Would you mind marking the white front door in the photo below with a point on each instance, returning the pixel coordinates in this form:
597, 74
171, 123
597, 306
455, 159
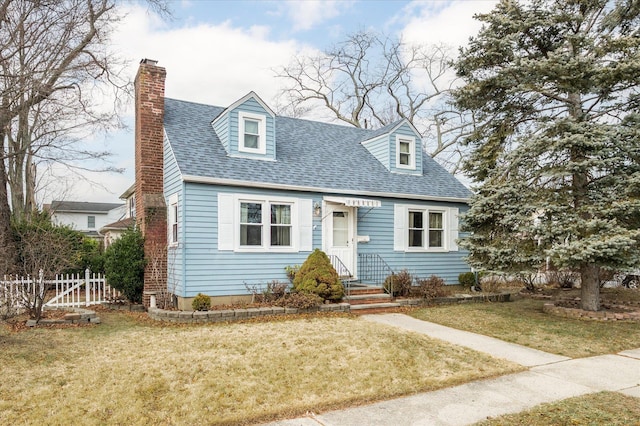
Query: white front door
339, 235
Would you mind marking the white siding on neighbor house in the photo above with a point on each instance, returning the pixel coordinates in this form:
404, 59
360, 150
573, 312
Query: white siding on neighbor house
380, 148
251, 106
215, 272
406, 130
80, 220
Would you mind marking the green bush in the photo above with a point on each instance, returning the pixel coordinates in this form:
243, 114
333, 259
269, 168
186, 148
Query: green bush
399, 284
467, 279
124, 265
431, 287
201, 302
317, 276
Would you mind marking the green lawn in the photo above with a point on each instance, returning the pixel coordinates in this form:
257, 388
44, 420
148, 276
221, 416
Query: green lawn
524, 323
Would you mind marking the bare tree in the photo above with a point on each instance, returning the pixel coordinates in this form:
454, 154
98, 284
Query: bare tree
57, 74
44, 251
369, 81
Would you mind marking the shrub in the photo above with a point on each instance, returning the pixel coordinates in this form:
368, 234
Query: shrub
124, 265
399, 284
431, 287
291, 272
317, 276
467, 279
201, 302
300, 300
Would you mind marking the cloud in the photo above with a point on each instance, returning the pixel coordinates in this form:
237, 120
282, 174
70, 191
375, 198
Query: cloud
307, 14
214, 64
441, 22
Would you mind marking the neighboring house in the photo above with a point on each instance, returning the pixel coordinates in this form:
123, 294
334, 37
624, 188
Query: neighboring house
86, 217
248, 192
112, 231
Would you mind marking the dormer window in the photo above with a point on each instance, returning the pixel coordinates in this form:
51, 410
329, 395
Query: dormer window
252, 133
405, 152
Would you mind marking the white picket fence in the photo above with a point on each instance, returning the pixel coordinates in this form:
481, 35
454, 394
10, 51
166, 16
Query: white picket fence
71, 290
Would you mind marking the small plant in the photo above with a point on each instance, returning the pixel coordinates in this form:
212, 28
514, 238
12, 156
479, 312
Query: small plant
274, 291
300, 300
201, 302
492, 285
291, 272
467, 279
399, 284
431, 287
317, 275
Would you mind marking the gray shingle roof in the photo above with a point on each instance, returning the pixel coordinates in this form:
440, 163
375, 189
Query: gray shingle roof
83, 206
308, 154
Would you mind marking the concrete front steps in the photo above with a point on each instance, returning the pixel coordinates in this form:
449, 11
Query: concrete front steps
364, 299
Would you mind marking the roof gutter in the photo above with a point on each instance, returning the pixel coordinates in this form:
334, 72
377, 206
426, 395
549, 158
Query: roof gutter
266, 185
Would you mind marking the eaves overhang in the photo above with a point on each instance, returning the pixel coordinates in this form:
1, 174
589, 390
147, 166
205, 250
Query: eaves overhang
300, 188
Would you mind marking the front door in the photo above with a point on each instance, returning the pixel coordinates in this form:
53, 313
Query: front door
339, 236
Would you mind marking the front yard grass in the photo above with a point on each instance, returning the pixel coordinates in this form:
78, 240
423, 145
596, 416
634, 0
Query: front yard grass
603, 408
524, 323
129, 370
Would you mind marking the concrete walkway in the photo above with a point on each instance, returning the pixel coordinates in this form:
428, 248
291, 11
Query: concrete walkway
549, 378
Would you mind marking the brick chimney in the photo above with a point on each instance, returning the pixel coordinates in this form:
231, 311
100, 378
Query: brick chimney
151, 211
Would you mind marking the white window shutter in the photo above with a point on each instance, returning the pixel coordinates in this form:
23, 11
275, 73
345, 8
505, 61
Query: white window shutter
399, 227
453, 228
226, 216
305, 223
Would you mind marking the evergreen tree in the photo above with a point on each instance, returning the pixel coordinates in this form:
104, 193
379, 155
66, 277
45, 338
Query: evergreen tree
555, 89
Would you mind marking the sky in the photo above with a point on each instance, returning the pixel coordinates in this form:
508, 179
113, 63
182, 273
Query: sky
215, 52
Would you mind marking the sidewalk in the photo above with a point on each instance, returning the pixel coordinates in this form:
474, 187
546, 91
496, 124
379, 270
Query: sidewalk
549, 378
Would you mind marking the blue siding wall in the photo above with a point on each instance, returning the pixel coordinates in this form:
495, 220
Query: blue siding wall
380, 148
221, 127
217, 273
173, 185
405, 130
378, 225
220, 273
254, 107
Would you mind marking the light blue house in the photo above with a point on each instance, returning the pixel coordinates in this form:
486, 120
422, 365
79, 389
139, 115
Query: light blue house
249, 193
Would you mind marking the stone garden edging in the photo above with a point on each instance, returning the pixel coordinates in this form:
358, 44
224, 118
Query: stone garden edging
227, 315
628, 312
75, 316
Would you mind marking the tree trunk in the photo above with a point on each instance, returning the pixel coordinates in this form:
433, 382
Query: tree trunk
7, 245
589, 288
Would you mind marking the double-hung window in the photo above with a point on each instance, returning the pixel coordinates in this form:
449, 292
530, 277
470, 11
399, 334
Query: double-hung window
252, 131
262, 223
251, 224
425, 228
265, 224
416, 228
436, 230
91, 222
173, 219
405, 152
281, 225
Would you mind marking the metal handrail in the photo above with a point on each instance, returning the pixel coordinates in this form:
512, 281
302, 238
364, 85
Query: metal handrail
373, 269
343, 272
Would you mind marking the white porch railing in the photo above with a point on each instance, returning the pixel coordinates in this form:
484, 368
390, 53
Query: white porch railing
71, 290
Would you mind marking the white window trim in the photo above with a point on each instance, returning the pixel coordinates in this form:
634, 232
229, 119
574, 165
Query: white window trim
173, 220
262, 132
402, 226
266, 246
412, 150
